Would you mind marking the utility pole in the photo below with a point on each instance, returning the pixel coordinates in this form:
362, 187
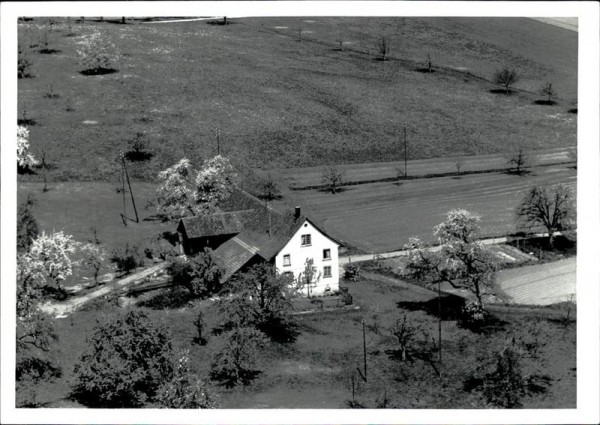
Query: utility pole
405, 152
364, 375
439, 322
218, 141
137, 219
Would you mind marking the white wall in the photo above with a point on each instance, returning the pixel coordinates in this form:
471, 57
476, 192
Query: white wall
299, 254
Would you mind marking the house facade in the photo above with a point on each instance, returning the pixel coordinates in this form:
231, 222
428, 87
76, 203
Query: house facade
311, 257
247, 231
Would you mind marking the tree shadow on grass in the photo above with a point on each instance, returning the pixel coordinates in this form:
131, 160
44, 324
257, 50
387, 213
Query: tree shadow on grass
425, 70
230, 380
572, 111
167, 299
49, 51
451, 306
98, 71
501, 91
545, 102
26, 121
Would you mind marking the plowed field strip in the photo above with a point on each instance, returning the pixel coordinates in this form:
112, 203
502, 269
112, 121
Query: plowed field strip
540, 284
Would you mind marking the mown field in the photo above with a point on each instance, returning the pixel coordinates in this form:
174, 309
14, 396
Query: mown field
381, 217
314, 371
280, 101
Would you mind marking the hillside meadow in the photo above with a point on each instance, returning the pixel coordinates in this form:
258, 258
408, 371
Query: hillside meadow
281, 93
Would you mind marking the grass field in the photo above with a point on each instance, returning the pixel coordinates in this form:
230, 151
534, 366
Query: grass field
279, 101
313, 371
381, 217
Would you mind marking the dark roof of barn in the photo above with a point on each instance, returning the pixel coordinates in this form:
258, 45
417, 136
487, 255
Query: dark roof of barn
225, 223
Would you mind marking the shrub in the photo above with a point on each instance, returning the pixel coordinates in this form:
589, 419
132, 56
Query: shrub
185, 390
473, 314
127, 259
352, 272
127, 359
97, 54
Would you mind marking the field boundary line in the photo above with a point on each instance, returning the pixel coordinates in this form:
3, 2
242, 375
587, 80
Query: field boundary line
422, 176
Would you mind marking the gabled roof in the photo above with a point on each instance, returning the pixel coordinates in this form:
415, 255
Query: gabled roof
226, 223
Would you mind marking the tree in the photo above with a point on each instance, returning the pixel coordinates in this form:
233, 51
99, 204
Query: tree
200, 274
214, 182
53, 254
519, 161
506, 77
340, 42
235, 363
261, 298
200, 326
127, 360
186, 390
34, 333
383, 47
269, 189
94, 258
176, 192
459, 165
25, 160
332, 180
462, 261
127, 258
180, 194
548, 91
27, 227
97, 54
500, 372
23, 64
309, 276
550, 207
404, 331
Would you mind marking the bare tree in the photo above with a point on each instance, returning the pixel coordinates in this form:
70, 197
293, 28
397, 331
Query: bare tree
548, 91
405, 332
332, 179
383, 47
340, 42
459, 165
550, 207
506, 78
519, 162
429, 64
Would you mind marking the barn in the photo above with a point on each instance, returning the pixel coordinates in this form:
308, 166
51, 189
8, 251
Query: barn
246, 231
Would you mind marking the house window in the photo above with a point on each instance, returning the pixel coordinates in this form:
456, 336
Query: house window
286, 260
327, 271
326, 254
288, 275
306, 240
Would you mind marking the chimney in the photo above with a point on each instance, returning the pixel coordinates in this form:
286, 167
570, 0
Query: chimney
297, 212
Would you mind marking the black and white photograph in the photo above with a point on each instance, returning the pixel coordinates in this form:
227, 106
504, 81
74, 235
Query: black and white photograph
238, 206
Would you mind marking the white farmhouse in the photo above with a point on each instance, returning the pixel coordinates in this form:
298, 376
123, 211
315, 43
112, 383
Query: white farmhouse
247, 231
